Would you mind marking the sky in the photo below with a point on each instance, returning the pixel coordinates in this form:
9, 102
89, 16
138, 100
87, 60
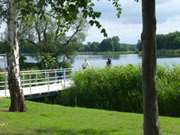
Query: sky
129, 26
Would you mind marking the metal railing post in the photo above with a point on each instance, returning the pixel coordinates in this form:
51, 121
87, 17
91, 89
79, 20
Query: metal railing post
6, 84
48, 80
55, 72
64, 77
30, 83
22, 81
36, 79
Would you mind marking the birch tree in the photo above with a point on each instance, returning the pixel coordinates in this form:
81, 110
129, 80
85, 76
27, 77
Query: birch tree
14, 81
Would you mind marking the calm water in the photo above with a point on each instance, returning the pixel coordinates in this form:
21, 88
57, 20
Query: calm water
100, 60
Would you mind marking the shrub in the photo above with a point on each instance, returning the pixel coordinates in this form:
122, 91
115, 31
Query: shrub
116, 88
48, 61
168, 84
120, 88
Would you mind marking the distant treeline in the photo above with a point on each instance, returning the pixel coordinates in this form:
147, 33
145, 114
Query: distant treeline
108, 44
24, 47
169, 41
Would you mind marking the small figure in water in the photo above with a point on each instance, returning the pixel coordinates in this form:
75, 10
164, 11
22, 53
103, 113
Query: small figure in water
108, 63
85, 64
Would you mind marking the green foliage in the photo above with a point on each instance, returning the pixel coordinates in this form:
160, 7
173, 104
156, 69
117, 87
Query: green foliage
109, 88
48, 62
3, 47
120, 88
170, 41
2, 77
108, 44
29, 66
43, 38
65, 64
168, 53
169, 90
3, 10
64, 12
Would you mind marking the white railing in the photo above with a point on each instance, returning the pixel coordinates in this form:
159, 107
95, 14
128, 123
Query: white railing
33, 78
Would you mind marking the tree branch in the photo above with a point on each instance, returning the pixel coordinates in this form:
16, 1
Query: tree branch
31, 42
78, 28
44, 32
38, 31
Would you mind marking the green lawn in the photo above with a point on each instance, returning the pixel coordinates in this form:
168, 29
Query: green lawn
43, 119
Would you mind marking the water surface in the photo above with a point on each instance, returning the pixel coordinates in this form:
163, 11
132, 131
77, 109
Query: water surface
100, 60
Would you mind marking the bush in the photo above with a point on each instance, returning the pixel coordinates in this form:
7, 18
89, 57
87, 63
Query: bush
120, 88
169, 90
2, 77
48, 61
116, 88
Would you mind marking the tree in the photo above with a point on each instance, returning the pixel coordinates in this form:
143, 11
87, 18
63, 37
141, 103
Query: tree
106, 45
10, 13
170, 41
14, 81
139, 45
17, 11
151, 115
43, 35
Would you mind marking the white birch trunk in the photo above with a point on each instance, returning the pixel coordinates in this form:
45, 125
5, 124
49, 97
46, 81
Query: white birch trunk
14, 81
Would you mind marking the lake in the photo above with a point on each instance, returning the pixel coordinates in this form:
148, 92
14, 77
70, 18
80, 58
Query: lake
100, 60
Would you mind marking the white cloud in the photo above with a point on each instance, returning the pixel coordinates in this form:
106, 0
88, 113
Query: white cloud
128, 33
170, 25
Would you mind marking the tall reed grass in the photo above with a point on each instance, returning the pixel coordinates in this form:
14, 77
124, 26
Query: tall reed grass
120, 88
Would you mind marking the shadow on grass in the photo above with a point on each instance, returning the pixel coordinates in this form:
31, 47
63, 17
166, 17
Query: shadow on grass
74, 132
51, 131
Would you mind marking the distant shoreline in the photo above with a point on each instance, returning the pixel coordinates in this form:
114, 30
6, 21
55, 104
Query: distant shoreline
107, 53
166, 53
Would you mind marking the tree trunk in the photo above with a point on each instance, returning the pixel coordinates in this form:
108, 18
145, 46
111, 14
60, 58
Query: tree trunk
14, 82
151, 114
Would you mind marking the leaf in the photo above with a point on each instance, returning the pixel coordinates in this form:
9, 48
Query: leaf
97, 14
91, 22
104, 32
97, 24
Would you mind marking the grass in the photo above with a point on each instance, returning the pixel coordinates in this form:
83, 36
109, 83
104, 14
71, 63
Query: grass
43, 119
